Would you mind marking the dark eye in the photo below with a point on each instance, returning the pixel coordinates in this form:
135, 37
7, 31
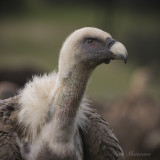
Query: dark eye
91, 42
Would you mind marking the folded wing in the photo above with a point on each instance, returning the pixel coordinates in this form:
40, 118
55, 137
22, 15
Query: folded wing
99, 143
9, 149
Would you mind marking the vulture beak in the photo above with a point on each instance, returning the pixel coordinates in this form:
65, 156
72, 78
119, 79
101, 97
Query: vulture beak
117, 49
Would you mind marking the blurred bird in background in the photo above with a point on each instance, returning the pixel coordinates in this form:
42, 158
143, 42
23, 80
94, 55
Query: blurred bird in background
136, 117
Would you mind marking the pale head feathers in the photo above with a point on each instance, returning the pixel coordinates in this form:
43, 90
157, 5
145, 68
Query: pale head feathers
73, 39
71, 48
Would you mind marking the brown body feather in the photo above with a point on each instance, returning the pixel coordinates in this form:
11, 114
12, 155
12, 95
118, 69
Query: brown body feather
9, 149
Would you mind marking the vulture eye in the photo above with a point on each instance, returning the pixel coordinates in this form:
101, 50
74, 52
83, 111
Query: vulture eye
91, 42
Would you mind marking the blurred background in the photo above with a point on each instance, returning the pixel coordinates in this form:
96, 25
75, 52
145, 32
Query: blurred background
31, 35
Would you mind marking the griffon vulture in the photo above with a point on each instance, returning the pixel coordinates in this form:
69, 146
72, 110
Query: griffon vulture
50, 119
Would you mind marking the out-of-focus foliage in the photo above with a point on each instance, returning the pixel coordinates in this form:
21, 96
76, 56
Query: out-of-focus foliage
32, 32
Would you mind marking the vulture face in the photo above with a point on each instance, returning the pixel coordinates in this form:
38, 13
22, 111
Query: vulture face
91, 46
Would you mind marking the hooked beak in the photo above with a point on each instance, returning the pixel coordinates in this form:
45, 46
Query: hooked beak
117, 49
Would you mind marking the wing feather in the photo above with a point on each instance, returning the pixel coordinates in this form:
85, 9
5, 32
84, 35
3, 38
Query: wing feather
9, 149
99, 142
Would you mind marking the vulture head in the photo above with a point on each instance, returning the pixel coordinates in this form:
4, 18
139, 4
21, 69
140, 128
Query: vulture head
90, 47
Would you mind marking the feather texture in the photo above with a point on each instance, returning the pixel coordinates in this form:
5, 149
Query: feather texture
9, 148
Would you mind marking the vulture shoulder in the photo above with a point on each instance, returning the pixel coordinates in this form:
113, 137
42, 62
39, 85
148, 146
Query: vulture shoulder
9, 149
99, 142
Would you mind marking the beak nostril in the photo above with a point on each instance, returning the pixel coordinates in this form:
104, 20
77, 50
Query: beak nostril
110, 42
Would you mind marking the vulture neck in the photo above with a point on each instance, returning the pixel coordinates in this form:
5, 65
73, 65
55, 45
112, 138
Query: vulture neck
69, 94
